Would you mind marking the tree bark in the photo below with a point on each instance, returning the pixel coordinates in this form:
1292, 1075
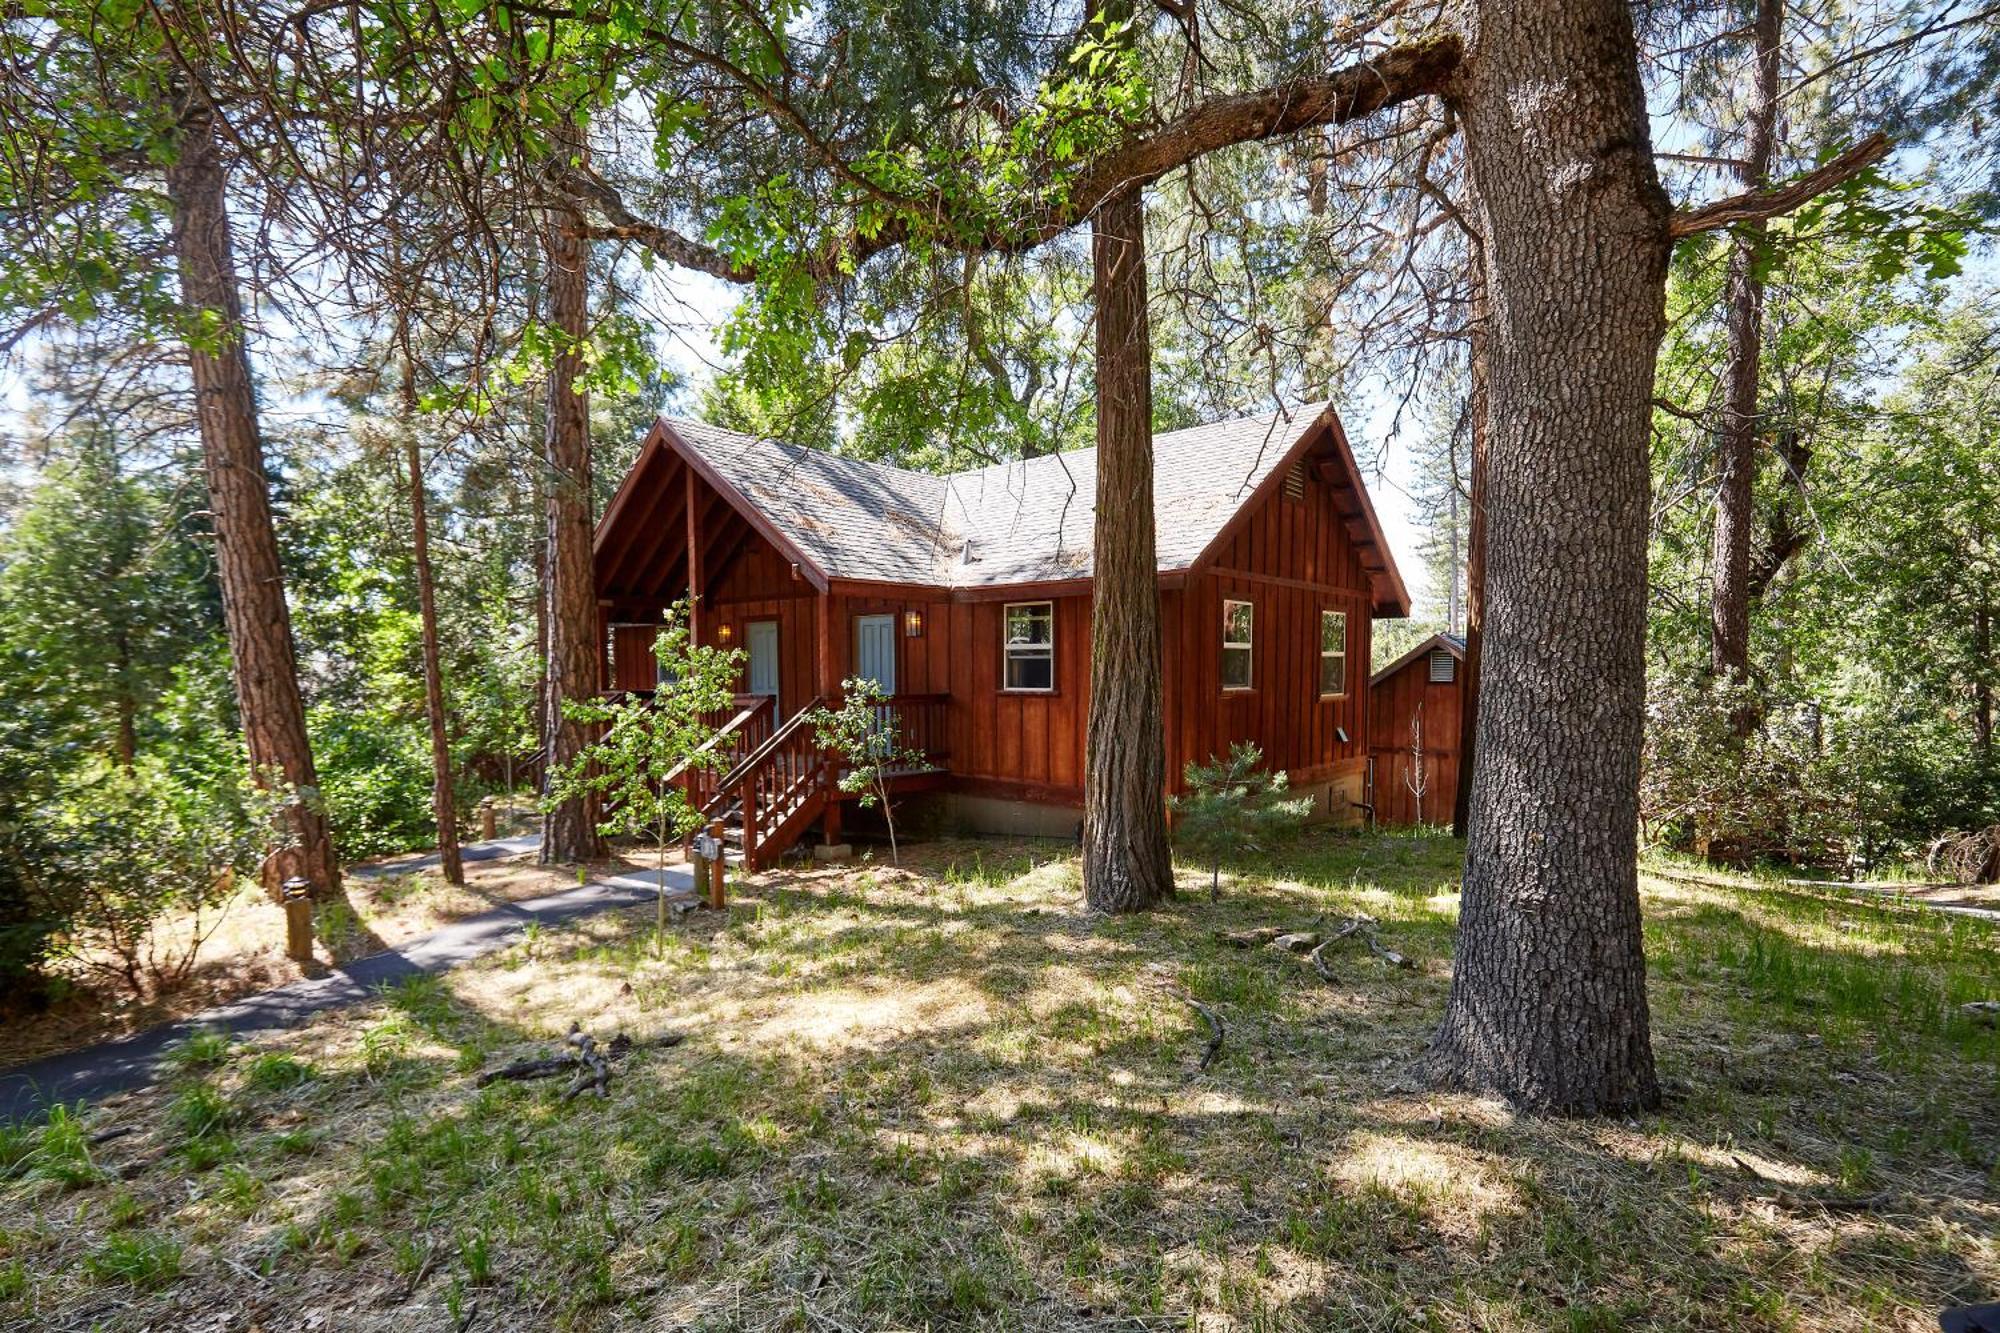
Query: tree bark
1736, 437
1475, 558
263, 659
1548, 1000
569, 830
1127, 865
443, 807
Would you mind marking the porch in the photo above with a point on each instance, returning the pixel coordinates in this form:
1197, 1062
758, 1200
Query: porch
768, 782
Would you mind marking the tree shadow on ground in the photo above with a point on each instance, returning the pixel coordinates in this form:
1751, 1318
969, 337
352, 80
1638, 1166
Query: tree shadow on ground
969, 1106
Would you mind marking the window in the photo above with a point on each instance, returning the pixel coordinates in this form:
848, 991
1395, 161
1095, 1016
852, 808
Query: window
1236, 631
1029, 651
1444, 667
1332, 654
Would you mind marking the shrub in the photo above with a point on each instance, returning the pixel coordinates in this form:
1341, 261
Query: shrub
143, 865
375, 776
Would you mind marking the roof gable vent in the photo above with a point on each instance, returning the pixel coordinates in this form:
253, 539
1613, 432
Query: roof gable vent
1295, 481
1444, 667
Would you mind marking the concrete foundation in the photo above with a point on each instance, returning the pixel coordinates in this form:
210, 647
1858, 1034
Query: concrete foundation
939, 814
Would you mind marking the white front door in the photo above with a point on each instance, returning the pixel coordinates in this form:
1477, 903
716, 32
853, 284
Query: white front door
875, 650
761, 637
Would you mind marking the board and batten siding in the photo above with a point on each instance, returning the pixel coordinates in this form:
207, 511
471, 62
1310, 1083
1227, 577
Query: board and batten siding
1394, 702
1290, 555
1291, 559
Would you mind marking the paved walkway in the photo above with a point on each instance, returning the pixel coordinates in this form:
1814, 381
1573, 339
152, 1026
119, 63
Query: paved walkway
113, 1066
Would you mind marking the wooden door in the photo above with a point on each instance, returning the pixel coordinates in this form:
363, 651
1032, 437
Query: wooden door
761, 638
875, 650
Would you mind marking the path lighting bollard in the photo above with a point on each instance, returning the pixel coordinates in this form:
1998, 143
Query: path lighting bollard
715, 871
488, 820
296, 895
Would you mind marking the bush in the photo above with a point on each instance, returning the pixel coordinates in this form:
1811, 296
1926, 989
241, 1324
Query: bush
137, 867
375, 776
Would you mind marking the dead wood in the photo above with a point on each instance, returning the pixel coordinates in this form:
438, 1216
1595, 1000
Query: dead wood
1214, 1019
1318, 959
588, 1064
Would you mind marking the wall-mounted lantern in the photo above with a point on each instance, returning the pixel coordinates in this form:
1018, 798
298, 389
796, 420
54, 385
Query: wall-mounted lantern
913, 623
723, 632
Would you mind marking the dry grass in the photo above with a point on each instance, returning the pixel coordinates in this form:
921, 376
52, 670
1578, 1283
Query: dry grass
945, 1097
246, 952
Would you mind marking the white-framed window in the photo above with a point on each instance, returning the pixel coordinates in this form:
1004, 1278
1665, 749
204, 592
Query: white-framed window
1332, 654
1237, 630
1028, 647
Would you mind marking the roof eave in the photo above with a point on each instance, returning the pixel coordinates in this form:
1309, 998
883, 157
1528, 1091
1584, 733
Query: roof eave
1424, 649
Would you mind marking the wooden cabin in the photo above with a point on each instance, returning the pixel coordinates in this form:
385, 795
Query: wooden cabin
1415, 705
968, 597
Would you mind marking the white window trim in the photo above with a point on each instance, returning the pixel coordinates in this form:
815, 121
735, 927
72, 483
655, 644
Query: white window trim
1249, 646
1025, 651
1340, 693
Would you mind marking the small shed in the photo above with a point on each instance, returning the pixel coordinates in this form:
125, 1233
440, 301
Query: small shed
1415, 706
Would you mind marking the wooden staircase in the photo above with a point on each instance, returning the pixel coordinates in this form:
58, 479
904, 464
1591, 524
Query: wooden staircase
782, 780
773, 794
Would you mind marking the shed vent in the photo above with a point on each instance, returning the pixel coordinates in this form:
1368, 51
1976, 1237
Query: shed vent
1295, 481
1444, 667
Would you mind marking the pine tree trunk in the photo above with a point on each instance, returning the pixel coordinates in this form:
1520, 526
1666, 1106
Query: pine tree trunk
1475, 558
443, 807
125, 749
1548, 998
1127, 866
569, 830
1736, 438
263, 660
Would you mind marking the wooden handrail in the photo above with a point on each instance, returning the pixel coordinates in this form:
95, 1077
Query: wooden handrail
742, 720
757, 756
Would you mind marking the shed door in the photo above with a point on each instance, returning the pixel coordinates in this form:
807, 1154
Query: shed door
761, 637
875, 650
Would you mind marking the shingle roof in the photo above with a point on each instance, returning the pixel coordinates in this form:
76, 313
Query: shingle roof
852, 518
1027, 521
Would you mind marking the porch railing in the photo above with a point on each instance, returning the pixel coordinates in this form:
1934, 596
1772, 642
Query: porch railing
920, 722
740, 731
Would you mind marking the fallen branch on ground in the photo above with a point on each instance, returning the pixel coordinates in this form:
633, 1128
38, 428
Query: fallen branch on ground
589, 1064
1215, 1030
1318, 960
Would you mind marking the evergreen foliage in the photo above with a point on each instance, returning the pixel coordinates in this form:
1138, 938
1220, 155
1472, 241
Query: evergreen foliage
1233, 804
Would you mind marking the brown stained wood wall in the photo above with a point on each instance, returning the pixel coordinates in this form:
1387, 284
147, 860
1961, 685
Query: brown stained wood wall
1394, 703
1290, 558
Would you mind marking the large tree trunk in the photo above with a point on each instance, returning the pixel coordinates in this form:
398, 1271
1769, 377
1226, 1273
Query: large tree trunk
443, 808
569, 829
265, 666
1736, 437
1548, 997
1475, 559
1127, 866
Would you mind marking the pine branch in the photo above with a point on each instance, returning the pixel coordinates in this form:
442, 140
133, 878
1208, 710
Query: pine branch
1757, 205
